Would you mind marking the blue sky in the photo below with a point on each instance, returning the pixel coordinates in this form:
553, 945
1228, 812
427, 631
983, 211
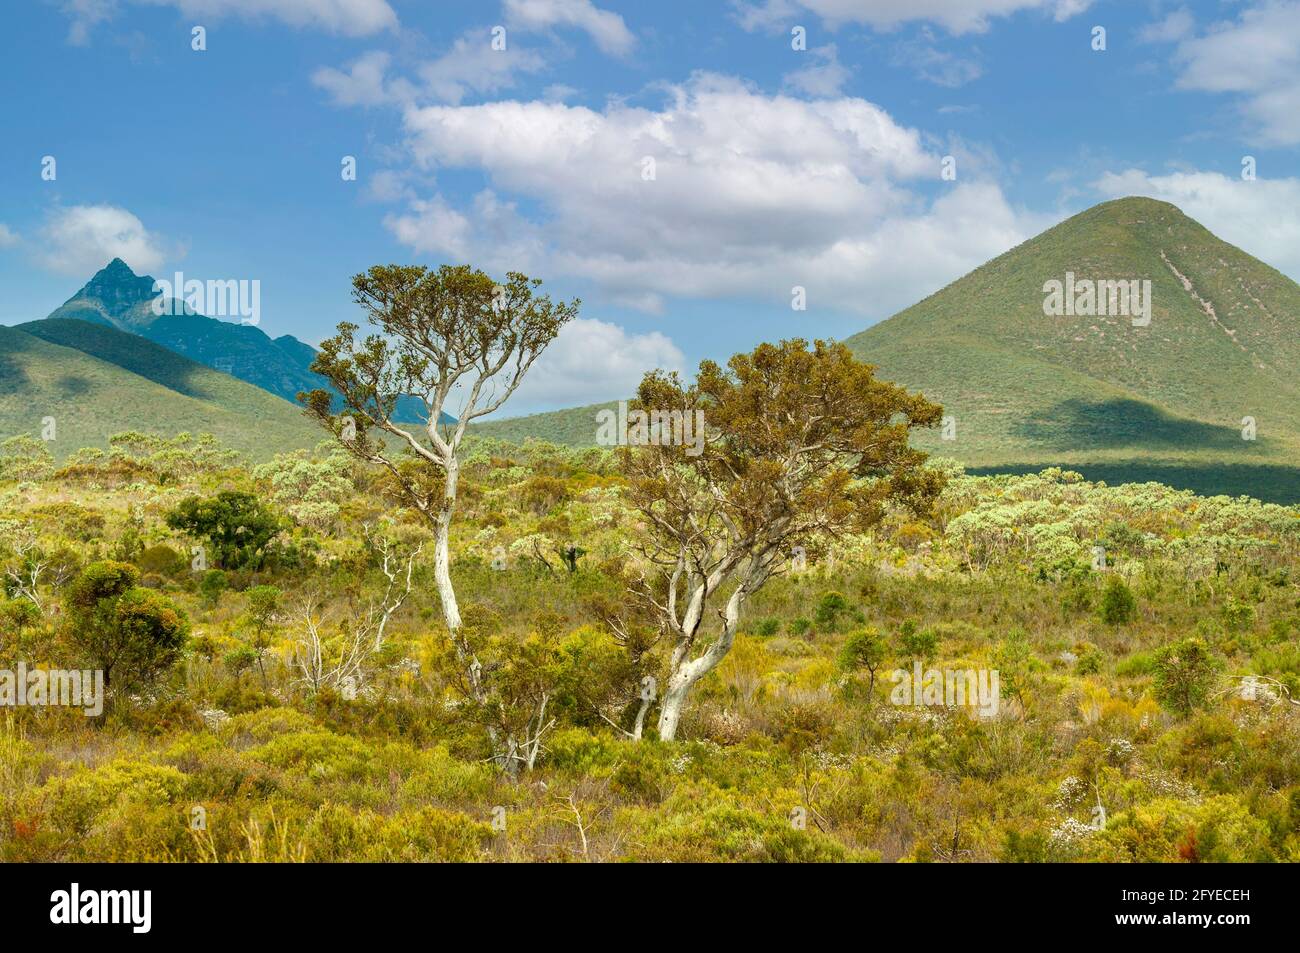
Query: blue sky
773, 167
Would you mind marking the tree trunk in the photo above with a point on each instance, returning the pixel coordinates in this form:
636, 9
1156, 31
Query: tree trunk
442, 549
687, 672
638, 726
670, 712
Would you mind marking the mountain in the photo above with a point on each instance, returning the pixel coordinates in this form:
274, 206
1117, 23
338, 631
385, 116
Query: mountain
95, 381
119, 298
116, 296
1096, 393
1123, 403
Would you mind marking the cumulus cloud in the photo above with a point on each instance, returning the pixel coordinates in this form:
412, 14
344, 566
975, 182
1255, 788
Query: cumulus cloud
1260, 217
592, 361
956, 16
1257, 58
81, 239
8, 237
748, 194
606, 29
347, 17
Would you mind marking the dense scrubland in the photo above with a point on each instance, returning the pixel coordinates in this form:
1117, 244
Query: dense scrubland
296, 696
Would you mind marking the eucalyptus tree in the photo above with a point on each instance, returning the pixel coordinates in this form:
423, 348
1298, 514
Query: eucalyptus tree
458, 344
801, 444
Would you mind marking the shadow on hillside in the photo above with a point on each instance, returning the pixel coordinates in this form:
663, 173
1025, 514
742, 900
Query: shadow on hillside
1272, 483
70, 385
1078, 424
127, 351
13, 376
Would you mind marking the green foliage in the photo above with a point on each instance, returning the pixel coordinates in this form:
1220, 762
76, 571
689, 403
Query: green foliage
864, 649
309, 487
917, 643
25, 458
132, 634
1184, 674
1118, 607
830, 607
235, 523
212, 585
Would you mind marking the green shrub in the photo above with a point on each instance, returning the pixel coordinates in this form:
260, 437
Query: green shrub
1118, 607
1184, 673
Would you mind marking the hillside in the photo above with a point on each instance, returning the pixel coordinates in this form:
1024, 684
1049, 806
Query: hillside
96, 381
570, 427
1165, 401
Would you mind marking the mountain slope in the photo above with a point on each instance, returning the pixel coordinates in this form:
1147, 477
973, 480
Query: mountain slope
1030, 389
96, 381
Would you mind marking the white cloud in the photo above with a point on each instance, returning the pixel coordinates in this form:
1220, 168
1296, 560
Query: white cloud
1176, 26
957, 16
8, 237
1260, 217
472, 66
81, 239
363, 84
469, 66
607, 30
1256, 57
85, 15
347, 17
751, 194
935, 65
825, 76
592, 361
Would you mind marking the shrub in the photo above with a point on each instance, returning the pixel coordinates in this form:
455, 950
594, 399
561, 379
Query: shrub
1118, 606
829, 609
916, 643
132, 634
1184, 672
236, 524
212, 585
162, 560
864, 649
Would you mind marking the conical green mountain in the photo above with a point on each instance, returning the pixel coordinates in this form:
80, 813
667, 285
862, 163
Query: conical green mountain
1168, 400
